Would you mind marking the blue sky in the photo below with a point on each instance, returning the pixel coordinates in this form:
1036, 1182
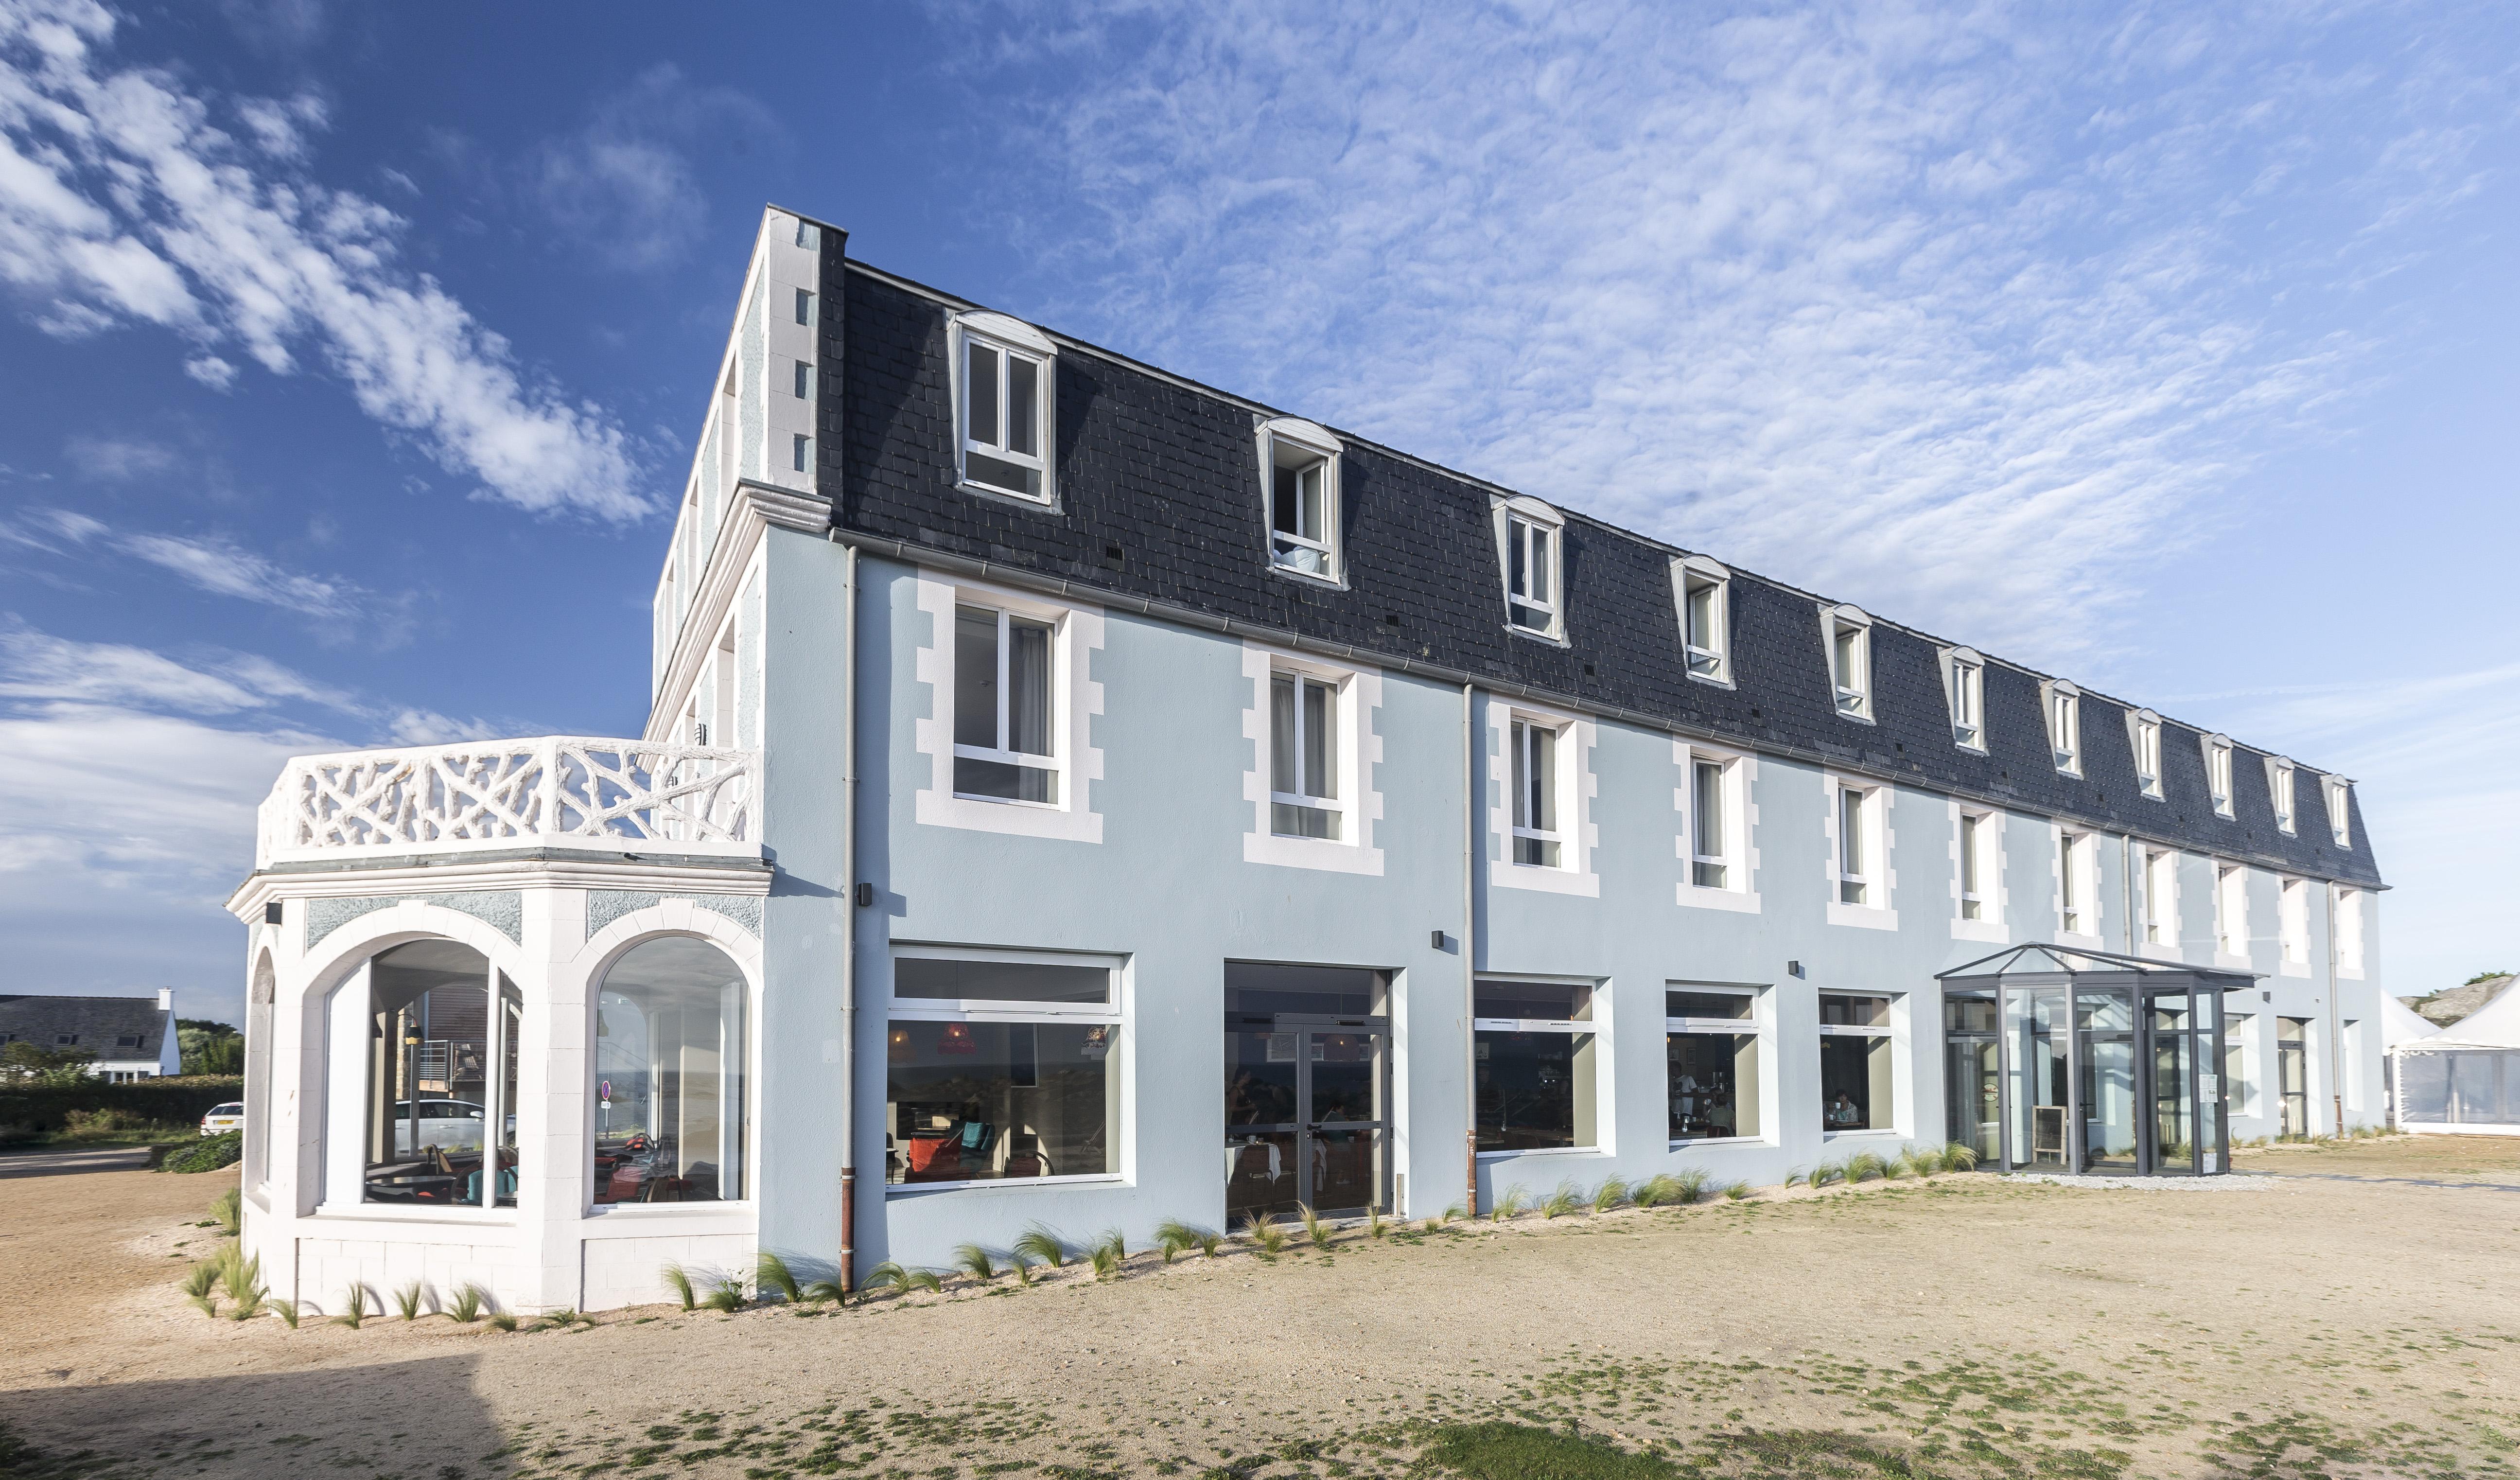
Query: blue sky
349, 355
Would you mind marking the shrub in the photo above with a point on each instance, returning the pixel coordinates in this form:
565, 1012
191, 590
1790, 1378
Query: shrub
975, 1261
177, 1102
468, 1301
407, 1300
1612, 1192
771, 1272
1266, 1232
1042, 1245
208, 1155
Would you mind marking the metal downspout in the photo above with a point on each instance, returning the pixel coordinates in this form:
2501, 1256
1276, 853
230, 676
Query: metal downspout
849, 925
2335, 1019
1469, 959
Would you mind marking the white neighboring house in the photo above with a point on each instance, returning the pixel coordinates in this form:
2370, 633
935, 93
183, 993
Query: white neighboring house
2462, 1079
131, 1037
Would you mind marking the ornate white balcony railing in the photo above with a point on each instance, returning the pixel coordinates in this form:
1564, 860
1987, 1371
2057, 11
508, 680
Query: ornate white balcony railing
563, 791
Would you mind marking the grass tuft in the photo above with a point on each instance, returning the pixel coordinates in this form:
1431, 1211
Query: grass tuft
1502, 1451
354, 1306
1315, 1227
560, 1320
1264, 1231
727, 1294
827, 1290
1042, 1245
1823, 1175
1566, 1199
1959, 1156
1374, 1227
902, 1278
1612, 1192
976, 1262
201, 1286
1112, 1239
408, 1300
1864, 1165
229, 1212
241, 1278
1107, 1260
286, 1311
1211, 1242
503, 1321
1455, 1210
771, 1272
1022, 1264
1173, 1237
1734, 1191
681, 1280
1508, 1204
468, 1301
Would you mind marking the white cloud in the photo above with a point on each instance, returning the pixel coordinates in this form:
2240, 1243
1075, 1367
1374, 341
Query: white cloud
211, 371
623, 186
122, 201
35, 665
225, 568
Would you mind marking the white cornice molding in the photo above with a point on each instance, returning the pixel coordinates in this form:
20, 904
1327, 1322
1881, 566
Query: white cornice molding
454, 875
753, 509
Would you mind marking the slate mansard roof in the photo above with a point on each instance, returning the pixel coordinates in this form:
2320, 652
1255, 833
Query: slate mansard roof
1160, 501
100, 1024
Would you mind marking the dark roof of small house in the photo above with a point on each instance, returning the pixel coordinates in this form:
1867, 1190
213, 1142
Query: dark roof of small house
99, 1023
1159, 500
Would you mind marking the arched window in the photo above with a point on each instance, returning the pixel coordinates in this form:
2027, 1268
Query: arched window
257, 1076
669, 1071
425, 1065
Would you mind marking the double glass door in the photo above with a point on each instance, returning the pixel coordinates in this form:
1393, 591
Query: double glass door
1307, 1091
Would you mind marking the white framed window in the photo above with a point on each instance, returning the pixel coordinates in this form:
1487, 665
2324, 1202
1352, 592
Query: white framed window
2339, 794
2077, 910
1981, 841
2349, 932
2217, 773
1004, 375
1703, 589
1001, 1066
1848, 631
1531, 535
425, 1107
1964, 690
804, 381
2143, 734
1299, 464
2279, 788
1859, 1063
1715, 1046
1712, 825
2240, 1064
1859, 853
1539, 840
1712, 795
802, 452
1005, 703
2231, 911
1538, 1062
1306, 740
2160, 897
804, 307
2064, 705
2292, 924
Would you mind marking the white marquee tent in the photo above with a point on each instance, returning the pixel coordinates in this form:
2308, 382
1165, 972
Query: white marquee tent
2460, 1080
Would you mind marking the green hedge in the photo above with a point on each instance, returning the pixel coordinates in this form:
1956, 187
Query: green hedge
36, 1109
208, 1155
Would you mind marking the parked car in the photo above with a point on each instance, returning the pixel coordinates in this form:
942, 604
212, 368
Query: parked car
450, 1125
223, 1119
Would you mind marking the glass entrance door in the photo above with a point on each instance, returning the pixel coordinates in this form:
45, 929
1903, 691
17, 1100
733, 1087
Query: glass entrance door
2174, 1087
2105, 1019
2039, 1080
1307, 1091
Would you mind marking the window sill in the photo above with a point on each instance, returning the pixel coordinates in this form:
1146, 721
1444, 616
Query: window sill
1008, 801
1553, 639
1961, 744
1019, 500
1540, 1151
408, 1216
1710, 680
1334, 582
652, 1220
893, 1189
1855, 717
1737, 901
1866, 1134
1719, 1141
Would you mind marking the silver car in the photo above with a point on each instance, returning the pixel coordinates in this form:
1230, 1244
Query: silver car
450, 1125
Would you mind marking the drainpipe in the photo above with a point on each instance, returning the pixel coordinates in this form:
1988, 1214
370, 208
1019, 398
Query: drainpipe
1469, 959
2125, 870
2335, 1019
849, 927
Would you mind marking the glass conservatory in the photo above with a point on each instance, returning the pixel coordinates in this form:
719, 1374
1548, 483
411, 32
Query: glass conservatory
2070, 1060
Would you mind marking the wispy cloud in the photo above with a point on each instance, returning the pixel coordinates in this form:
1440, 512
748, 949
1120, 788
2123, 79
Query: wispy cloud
1958, 312
121, 201
623, 185
218, 566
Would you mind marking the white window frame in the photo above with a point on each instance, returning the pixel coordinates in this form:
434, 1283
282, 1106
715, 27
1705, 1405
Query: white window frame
2160, 881
2292, 925
1318, 441
1578, 834
1758, 1025
1990, 923
2280, 792
2244, 1095
1008, 337
1870, 853
1734, 787
2338, 791
1852, 690
1964, 696
2077, 904
1522, 736
1598, 1025
1705, 647
2061, 704
1115, 1063
1541, 532
1341, 806
1057, 762
1076, 701
2217, 773
1888, 1032
2350, 944
1360, 754
2143, 737
2231, 913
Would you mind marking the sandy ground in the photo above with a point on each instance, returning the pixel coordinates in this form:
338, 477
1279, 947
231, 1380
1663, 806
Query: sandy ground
2347, 1312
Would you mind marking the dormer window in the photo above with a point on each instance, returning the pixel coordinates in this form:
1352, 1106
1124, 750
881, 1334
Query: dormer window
2064, 707
2143, 732
1964, 687
2340, 810
2217, 773
2279, 788
1299, 468
1704, 590
1534, 599
1004, 369
1849, 658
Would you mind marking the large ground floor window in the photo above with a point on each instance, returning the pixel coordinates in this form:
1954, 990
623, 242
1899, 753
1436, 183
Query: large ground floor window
1000, 1068
1711, 1045
670, 1075
1538, 1053
1858, 1067
440, 1121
